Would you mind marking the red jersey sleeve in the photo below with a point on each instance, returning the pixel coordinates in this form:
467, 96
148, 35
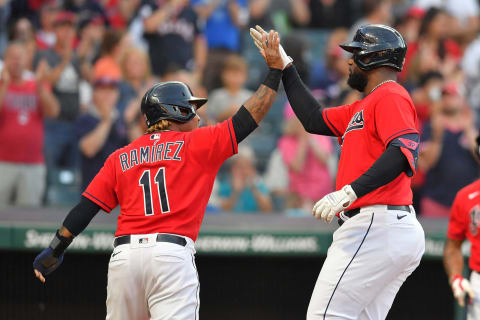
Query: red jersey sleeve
394, 116
458, 224
337, 119
102, 188
213, 145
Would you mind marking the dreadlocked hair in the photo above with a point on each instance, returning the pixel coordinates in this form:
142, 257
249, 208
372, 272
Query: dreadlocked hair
161, 125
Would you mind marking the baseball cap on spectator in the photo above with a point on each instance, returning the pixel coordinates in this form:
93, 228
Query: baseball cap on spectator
91, 20
106, 81
452, 88
415, 12
65, 17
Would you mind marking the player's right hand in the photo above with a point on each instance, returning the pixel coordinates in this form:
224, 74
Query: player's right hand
461, 287
258, 35
45, 263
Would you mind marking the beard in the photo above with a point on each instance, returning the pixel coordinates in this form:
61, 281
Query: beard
357, 80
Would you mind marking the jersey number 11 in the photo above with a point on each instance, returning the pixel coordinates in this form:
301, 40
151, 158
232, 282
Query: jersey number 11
144, 182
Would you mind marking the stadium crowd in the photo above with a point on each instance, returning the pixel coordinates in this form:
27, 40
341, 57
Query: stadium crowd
73, 73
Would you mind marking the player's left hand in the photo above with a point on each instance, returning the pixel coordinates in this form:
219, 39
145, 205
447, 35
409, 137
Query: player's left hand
334, 202
461, 287
45, 263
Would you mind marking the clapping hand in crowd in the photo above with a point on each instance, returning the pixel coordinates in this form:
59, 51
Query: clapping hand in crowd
5, 76
41, 74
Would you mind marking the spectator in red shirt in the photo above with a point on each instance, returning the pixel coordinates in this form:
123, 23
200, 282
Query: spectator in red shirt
23, 105
434, 50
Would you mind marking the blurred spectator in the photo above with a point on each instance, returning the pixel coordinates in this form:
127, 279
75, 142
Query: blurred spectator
137, 79
329, 75
91, 32
375, 11
306, 157
465, 16
23, 104
23, 32
427, 95
244, 192
225, 101
276, 180
113, 46
122, 12
433, 51
173, 35
224, 20
445, 153
45, 36
409, 24
61, 146
325, 14
471, 68
100, 130
4, 14
328, 71
86, 8
260, 13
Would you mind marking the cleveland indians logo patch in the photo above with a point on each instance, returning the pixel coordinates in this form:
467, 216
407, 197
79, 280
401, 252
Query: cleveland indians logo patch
356, 123
474, 220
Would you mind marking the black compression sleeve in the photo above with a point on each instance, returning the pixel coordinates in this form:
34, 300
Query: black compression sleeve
305, 106
389, 166
243, 124
80, 216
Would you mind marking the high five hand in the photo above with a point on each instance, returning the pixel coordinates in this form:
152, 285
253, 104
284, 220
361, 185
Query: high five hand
272, 52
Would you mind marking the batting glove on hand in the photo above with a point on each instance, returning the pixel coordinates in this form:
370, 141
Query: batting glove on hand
46, 263
334, 202
257, 39
461, 287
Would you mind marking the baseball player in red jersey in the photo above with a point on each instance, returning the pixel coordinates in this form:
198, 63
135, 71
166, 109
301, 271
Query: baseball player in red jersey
464, 224
380, 242
162, 182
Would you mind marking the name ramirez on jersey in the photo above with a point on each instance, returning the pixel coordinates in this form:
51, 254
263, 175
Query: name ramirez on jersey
150, 154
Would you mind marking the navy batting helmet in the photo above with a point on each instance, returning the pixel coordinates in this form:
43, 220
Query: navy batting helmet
377, 45
172, 100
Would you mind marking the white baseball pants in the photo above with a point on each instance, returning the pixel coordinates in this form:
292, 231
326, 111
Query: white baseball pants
152, 280
473, 309
370, 257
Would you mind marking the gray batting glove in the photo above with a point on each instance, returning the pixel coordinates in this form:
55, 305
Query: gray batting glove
331, 204
257, 39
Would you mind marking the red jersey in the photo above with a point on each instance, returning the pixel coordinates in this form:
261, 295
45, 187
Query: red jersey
465, 220
21, 124
365, 128
162, 181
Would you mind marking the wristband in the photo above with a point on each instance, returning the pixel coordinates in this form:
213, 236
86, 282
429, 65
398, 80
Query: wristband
273, 79
455, 277
59, 244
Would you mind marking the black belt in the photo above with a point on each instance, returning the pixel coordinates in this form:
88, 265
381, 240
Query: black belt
354, 212
161, 237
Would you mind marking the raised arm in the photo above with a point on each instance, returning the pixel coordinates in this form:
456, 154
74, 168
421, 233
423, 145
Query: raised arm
305, 106
256, 107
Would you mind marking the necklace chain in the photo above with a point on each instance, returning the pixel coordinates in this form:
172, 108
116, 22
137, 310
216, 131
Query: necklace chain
378, 85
